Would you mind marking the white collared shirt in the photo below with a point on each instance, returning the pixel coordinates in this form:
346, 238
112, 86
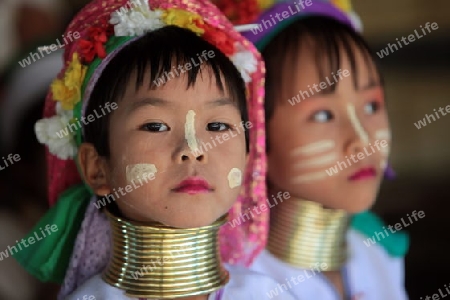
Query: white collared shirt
370, 274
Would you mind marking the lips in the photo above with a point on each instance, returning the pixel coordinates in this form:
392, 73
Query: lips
193, 185
364, 173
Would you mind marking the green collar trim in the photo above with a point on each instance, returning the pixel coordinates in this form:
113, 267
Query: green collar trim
48, 253
367, 223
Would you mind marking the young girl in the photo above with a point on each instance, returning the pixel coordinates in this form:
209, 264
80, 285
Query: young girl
328, 144
154, 94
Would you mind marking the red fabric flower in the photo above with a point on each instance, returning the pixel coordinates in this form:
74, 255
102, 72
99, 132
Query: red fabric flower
218, 38
238, 11
94, 44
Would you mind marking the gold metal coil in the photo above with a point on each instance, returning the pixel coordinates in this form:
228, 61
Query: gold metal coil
304, 233
160, 262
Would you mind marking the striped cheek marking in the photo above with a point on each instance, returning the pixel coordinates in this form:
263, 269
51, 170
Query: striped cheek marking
314, 148
384, 134
319, 161
307, 178
351, 111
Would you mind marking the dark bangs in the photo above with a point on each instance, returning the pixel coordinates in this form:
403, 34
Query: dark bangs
158, 54
329, 39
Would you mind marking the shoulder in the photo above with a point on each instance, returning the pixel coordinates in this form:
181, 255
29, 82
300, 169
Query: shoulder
96, 289
374, 232
247, 284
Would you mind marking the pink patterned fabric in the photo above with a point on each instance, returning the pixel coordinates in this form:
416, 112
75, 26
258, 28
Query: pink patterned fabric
239, 244
91, 251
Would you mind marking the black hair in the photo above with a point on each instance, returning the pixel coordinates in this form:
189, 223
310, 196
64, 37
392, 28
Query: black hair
330, 38
158, 53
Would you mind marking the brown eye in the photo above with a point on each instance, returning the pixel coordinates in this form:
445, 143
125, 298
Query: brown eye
371, 107
217, 126
322, 116
154, 127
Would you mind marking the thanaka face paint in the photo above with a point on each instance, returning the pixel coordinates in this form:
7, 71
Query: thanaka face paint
357, 124
189, 131
313, 148
234, 178
140, 171
319, 161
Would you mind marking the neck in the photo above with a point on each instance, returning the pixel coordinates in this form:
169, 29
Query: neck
159, 262
304, 234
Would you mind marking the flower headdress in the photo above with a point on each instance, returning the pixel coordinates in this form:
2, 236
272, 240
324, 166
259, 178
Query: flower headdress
105, 27
340, 10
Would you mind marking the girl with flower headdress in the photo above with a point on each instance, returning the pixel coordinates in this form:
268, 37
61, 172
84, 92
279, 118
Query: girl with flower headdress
328, 143
151, 111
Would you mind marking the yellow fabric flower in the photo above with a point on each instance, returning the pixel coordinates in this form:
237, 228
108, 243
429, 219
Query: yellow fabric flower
345, 5
68, 90
183, 19
264, 4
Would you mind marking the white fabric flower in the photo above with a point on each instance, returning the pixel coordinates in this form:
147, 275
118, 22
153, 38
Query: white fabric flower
356, 21
245, 62
56, 134
136, 21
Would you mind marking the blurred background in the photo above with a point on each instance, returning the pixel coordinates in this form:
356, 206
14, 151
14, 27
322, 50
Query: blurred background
417, 81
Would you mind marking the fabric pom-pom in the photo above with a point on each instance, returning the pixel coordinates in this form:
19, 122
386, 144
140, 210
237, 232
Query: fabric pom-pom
246, 63
56, 134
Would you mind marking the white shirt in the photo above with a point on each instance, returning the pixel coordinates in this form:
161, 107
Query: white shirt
370, 274
243, 285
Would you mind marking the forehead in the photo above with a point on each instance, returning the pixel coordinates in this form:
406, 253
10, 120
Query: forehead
311, 61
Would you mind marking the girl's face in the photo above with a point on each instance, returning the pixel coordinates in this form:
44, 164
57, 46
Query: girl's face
189, 140
331, 147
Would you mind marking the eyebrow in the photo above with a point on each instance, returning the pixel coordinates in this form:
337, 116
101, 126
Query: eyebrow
147, 101
221, 102
371, 84
159, 102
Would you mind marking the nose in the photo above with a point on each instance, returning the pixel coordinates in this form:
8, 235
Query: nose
357, 136
190, 153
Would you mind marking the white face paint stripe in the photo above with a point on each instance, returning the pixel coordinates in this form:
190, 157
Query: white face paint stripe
383, 134
189, 131
234, 178
313, 148
384, 150
357, 124
140, 171
309, 177
383, 164
319, 161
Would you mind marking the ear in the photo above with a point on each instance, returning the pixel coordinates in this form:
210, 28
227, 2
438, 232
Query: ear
94, 168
